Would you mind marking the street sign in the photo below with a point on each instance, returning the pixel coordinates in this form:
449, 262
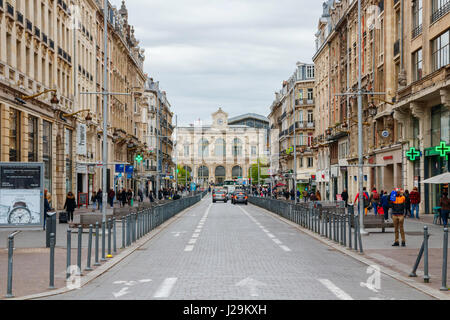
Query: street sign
385, 134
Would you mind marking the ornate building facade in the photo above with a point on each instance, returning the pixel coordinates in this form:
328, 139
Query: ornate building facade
214, 153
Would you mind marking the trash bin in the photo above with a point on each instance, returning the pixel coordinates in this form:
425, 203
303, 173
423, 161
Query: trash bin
50, 227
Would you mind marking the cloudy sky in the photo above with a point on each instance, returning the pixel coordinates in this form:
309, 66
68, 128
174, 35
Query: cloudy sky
228, 53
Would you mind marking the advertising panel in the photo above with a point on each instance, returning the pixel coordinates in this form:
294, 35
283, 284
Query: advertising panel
21, 194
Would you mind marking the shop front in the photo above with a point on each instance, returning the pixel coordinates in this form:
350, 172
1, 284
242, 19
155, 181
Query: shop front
435, 164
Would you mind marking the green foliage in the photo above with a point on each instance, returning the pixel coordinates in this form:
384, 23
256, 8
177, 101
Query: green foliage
263, 172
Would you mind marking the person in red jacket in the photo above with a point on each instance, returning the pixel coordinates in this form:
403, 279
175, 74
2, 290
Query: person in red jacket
414, 197
366, 200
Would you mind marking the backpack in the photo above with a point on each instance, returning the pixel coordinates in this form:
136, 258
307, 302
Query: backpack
376, 196
393, 196
366, 202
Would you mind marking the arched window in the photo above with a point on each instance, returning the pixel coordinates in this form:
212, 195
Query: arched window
221, 147
220, 171
237, 172
203, 148
237, 147
203, 172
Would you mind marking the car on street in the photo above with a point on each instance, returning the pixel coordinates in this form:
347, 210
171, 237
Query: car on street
239, 196
219, 195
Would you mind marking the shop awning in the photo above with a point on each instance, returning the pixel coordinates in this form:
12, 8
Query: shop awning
440, 179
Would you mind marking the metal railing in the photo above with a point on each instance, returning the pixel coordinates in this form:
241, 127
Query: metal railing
329, 219
440, 12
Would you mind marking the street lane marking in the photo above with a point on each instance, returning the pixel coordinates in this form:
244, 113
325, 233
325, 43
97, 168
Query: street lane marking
166, 288
270, 235
195, 235
189, 248
198, 230
192, 241
338, 292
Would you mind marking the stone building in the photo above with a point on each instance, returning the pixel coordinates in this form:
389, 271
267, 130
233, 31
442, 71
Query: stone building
58, 45
404, 61
220, 151
298, 93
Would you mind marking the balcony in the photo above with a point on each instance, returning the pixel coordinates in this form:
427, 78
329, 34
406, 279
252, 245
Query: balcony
44, 38
19, 18
440, 12
10, 10
305, 125
302, 102
417, 31
52, 44
37, 32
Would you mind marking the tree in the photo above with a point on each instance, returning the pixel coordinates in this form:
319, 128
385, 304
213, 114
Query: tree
253, 172
182, 175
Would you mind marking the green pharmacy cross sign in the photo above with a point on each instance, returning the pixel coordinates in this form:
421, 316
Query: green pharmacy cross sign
412, 154
443, 149
290, 150
139, 158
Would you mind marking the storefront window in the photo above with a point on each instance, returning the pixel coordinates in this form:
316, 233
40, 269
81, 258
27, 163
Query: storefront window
47, 154
440, 125
14, 135
32, 139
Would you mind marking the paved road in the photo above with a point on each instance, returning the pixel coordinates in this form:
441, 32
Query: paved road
220, 251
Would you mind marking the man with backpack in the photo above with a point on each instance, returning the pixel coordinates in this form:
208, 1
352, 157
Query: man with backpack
366, 200
398, 216
375, 200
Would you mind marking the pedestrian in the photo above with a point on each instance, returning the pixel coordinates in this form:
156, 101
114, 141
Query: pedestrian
344, 196
384, 203
152, 199
318, 196
313, 196
129, 196
123, 197
366, 200
140, 195
111, 195
398, 216
375, 200
70, 205
445, 208
47, 207
407, 204
292, 195
94, 200
100, 199
414, 198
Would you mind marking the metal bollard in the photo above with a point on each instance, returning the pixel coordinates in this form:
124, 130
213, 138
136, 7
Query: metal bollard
109, 239
88, 264
96, 263
80, 235
359, 238
355, 225
444, 261
68, 250
52, 261
123, 232
349, 230
344, 229
10, 264
426, 276
114, 236
127, 221
103, 240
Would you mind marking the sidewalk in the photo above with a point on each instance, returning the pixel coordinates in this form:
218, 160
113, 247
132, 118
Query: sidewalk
31, 258
378, 247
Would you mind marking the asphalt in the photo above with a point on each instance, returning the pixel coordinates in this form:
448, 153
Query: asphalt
221, 251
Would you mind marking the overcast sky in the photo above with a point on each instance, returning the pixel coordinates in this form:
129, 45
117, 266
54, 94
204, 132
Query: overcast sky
229, 53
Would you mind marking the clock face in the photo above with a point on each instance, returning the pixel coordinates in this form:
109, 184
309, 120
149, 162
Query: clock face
20, 215
220, 121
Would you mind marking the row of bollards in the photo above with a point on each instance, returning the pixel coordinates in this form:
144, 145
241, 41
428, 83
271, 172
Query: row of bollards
329, 224
424, 252
134, 227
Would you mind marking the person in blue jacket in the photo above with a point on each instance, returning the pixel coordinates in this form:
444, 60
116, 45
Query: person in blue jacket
384, 202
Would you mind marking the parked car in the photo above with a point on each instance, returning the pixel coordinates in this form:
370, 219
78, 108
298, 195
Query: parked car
219, 195
240, 197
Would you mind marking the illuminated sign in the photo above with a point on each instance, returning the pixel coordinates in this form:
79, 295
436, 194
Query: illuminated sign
412, 154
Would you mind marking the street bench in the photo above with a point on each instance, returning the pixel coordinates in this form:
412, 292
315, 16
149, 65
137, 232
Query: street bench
374, 222
87, 219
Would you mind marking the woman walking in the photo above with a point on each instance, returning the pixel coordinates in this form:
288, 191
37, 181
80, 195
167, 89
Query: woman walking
445, 208
70, 205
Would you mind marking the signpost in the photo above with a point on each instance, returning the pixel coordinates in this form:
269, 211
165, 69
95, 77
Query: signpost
21, 194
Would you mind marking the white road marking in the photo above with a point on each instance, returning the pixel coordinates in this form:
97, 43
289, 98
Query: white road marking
195, 235
189, 248
192, 241
285, 248
198, 230
121, 293
277, 241
266, 231
338, 292
270, 235
166, 288
145, 280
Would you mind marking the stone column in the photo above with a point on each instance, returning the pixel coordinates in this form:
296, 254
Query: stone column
4, 133
403, 117
418, 111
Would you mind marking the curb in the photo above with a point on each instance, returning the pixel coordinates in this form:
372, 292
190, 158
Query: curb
114, 261
361, 258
